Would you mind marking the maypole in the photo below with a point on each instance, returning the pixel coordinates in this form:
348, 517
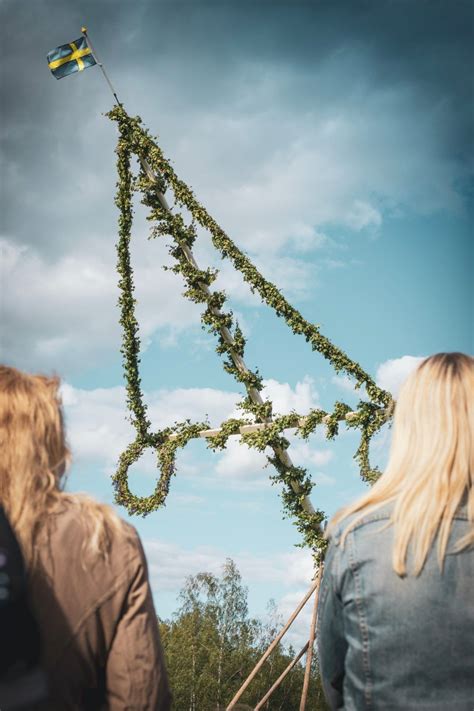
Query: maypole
239, 362
266, 431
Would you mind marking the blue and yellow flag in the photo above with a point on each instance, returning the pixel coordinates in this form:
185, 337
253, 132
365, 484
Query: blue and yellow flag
70, 58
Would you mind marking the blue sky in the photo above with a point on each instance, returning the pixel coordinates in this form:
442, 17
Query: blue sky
333, 143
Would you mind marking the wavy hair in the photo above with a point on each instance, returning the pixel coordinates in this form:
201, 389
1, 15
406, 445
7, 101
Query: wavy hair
430, 469
34, 458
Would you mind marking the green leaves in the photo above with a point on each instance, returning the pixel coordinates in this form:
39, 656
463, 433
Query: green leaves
211, 644
296, 484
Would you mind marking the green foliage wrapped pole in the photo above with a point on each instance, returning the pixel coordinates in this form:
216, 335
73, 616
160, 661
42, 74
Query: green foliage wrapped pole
156, 176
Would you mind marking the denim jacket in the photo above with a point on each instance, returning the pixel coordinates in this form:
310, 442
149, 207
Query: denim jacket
387, 642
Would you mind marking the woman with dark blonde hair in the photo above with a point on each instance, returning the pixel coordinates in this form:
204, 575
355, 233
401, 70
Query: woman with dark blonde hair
87, 573
396, 606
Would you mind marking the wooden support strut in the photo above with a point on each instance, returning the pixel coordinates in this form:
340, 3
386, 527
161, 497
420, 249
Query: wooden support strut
281, 677
312, 635
272, 646
307, 648
254, 394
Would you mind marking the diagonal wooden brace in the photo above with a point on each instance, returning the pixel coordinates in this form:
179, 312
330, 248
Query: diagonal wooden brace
281, 454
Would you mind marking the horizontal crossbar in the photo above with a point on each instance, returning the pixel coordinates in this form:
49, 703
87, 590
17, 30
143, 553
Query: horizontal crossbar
246, 429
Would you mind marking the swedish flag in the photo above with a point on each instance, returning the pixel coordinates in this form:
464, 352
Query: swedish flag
70, 58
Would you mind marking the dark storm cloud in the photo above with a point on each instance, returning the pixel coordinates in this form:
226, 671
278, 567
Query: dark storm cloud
284, 117
190, 56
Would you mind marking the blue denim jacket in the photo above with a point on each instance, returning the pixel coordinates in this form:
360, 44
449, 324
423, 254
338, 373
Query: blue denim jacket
387, 642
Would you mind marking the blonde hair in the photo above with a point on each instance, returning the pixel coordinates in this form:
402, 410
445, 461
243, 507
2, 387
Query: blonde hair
33, 461
431, 465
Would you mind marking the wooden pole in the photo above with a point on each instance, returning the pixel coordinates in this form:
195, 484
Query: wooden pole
254, 394
245, 429
281, 677
312, 635
272, 646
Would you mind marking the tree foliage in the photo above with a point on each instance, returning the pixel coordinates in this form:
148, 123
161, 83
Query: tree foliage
211, 645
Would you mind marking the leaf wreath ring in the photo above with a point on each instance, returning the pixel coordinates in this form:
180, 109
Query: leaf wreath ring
165, 449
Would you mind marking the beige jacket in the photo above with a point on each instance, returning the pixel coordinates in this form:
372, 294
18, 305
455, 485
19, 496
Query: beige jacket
101, 642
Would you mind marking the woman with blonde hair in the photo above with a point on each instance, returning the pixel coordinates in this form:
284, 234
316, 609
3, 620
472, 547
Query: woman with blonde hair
87, 573
396, 606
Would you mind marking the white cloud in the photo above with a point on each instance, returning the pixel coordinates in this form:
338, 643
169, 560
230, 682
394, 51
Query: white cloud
243, 467
170, 564
338, 163
392, 374
241, 462
344, 382
280, 159
64, 310
99, 431
306, 454
295, 276
247, 469
232, 282
286, 399
362, 215
298, 634
168, 406
98, 428
289, 569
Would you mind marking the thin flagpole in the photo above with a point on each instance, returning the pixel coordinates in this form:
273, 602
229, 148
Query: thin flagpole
94, 54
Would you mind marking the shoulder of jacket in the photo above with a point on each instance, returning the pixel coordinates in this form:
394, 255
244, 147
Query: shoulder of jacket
69, 526
381, 514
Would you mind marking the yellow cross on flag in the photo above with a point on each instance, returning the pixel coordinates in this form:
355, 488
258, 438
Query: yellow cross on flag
70, 58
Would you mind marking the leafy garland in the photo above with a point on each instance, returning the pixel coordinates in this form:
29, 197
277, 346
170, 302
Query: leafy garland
135, 140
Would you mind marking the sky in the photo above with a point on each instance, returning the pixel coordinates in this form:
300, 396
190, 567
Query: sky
333, 142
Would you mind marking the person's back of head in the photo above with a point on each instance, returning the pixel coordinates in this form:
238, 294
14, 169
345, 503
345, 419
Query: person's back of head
431, 465
93, 626
34, 459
